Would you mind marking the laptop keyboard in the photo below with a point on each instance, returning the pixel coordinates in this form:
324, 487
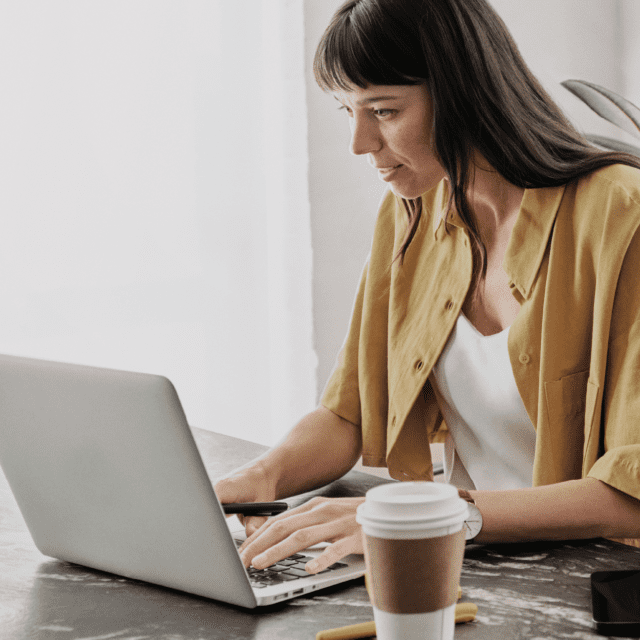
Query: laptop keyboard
287, 570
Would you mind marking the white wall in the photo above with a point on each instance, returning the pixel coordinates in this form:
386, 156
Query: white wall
560, 39
344, 193
138, 141
574, 39
630, 34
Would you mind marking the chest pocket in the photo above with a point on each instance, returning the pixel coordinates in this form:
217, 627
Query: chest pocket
566, 401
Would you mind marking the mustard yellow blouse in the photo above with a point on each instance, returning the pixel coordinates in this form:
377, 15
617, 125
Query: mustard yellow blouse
573, 262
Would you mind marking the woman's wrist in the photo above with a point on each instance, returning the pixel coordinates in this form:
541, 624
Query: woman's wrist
574, 509
264, 475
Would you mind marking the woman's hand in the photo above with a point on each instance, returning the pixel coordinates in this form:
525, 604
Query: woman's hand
319, 520
247, 485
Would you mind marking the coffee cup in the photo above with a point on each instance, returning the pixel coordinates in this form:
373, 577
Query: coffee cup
414, 545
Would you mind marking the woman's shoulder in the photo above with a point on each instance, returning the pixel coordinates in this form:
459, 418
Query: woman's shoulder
602, 209
620, 179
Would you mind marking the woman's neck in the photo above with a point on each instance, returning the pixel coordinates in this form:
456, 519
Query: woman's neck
494, 201
495, 204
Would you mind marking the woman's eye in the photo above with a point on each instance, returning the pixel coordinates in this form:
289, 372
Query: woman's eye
380, 113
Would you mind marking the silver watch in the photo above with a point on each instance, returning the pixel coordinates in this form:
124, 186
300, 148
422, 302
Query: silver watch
473, 522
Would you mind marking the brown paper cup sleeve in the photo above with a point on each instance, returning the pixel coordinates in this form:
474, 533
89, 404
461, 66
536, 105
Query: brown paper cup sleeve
414, 576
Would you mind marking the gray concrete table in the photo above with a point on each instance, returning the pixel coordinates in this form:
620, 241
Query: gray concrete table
535, 591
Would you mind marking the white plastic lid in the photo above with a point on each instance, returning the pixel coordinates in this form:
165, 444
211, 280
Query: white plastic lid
413, 503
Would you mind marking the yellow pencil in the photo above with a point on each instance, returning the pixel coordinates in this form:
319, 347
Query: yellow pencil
353, 631
465, 612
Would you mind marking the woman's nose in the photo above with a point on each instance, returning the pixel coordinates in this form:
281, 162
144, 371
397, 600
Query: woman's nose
364, 137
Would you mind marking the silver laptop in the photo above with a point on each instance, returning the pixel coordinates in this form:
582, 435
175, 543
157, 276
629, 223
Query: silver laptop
106, 473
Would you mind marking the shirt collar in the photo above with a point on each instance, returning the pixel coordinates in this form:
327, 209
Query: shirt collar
529, 237
441, 198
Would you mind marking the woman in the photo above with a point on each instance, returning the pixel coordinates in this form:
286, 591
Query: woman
501, 296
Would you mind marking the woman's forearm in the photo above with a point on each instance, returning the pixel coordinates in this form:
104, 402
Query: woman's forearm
586, 508
321, 448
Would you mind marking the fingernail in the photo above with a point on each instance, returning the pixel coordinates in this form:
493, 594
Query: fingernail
312, 566
255, 562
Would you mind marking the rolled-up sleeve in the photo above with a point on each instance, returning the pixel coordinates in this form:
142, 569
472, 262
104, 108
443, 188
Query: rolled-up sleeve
619, 464
357, 389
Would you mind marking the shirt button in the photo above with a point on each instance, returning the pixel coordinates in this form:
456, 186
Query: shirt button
525, 358
449, 305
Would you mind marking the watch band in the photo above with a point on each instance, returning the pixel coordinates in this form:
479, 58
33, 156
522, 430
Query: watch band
465, 495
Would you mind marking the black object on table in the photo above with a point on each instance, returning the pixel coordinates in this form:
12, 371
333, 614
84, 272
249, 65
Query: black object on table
255, 508
535, 591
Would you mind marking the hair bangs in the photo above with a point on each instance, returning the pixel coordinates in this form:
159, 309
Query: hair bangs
357, 51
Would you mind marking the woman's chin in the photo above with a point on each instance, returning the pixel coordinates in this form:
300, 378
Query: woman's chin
408, 192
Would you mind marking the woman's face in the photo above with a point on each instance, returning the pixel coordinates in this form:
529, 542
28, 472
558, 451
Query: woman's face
392, 124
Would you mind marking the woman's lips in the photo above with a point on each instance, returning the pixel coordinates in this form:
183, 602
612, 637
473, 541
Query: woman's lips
387, 173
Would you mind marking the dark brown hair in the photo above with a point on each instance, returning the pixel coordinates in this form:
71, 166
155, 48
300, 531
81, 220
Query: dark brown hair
484, 97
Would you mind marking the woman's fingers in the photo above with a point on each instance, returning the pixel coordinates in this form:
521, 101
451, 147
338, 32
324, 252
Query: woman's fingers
279, 527
267, 525
245, 486
253, 523
320, 520
227, 491
335, 552
295, 542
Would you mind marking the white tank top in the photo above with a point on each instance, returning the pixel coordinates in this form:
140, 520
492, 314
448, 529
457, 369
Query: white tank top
491, 442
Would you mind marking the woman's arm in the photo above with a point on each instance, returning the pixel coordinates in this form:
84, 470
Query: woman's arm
576, 509
586, 508
321, 448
